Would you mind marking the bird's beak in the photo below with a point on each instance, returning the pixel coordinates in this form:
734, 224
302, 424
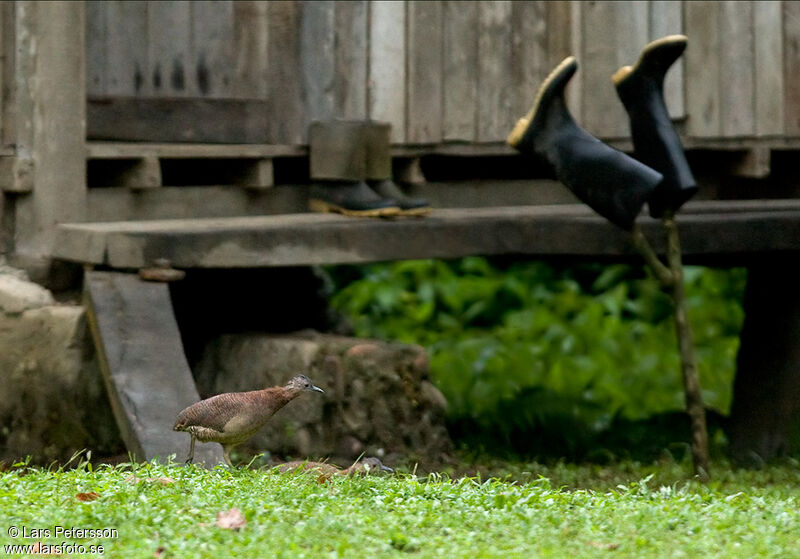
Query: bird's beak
317, 389
387, 469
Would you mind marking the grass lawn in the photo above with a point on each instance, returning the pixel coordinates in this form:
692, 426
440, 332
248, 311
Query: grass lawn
573, 511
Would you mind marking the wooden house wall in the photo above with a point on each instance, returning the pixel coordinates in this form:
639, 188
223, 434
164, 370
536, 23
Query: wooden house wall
444, 71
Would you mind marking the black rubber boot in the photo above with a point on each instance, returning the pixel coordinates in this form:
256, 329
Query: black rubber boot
377, 139
352, 198
337, 162
613, 184
408, 205
655, 141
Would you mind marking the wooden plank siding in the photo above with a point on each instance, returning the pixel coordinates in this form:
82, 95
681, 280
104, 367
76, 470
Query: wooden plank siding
460, 71
449, 71
666, 18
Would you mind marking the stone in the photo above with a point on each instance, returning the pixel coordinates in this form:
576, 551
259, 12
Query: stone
17, 294
378, 397
54, 402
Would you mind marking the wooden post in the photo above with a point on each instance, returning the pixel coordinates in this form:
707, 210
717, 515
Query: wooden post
671, 277
48, 92
766, 393
691, 380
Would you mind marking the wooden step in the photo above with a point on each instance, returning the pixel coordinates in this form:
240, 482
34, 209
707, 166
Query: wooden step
143, 364
140, 166
736, 230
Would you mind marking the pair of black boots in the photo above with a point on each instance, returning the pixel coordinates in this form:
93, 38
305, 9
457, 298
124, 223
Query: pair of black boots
351, 169
613, 184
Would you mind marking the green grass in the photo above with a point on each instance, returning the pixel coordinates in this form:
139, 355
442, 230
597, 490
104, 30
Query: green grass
625, 510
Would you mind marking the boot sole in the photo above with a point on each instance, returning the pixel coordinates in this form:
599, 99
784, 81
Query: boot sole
415, 212
321, 206
671, 40
517, 134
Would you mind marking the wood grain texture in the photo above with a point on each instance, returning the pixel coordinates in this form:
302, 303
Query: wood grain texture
143, 364
127, 62
159, 119
350, 60
769, 84
602, 113
737, 60
666, 18
791, 67
96, 47
317, 58
494, 69
734, 229
565, 38
169, 47
460, 71
286, 123
212, 48
250, 55
701, 20
424, 101
387, 65
529, 63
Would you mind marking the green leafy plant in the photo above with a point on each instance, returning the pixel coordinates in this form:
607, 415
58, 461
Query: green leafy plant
527, 347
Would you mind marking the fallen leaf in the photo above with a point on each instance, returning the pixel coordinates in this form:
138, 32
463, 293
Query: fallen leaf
90, 496
606, 546
161, 480
230, 519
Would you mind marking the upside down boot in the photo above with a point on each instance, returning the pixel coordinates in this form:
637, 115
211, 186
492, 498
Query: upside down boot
655, 140
613, 184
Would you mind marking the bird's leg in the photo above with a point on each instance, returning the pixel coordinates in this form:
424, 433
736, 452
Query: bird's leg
191, 451
226, 453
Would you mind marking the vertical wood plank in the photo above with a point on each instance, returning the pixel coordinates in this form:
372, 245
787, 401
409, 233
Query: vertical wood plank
460, 70
767, 21
316, 55
494, 69
10, 111
560, 18
424, 102
603, 114
126, 48
737, 95
791, 66
212, 47
284, 86
529, 60
564, 38
96, 48
169, 48
350, 60
666, 18
250, 56
387, 66
701, 20
633, 33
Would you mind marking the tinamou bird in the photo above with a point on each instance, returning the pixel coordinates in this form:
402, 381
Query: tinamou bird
366, 466
231, 418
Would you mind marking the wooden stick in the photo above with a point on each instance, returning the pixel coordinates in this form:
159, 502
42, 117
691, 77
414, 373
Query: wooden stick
663, 273
691, 379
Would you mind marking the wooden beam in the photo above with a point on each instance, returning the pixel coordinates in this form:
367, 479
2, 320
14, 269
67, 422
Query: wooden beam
325, 239
145, 370
227, 121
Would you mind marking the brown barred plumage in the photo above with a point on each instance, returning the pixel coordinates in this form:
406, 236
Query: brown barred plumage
233, 417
